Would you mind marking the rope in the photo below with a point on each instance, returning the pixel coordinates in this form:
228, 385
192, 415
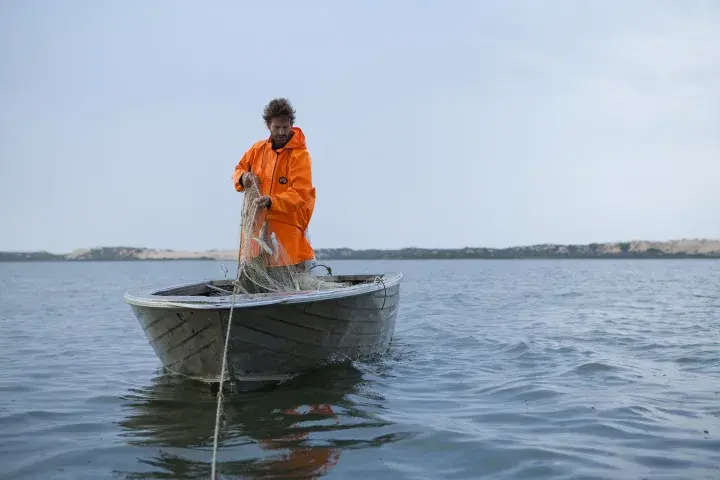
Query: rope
236, 283
248, 216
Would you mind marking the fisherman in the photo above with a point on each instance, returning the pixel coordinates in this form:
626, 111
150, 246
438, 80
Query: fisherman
280, 167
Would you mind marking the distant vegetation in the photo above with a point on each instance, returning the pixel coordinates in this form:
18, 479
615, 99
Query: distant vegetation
636, 249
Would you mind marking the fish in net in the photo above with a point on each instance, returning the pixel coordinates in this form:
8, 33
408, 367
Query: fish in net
263, 264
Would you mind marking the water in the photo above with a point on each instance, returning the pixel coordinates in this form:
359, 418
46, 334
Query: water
500, 370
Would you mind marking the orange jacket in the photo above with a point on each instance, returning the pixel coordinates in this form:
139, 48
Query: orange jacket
285, 176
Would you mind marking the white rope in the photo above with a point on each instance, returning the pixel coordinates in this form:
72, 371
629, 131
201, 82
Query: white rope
220, 390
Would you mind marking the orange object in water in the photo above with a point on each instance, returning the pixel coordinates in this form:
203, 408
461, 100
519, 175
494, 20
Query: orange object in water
285, 175
303, 461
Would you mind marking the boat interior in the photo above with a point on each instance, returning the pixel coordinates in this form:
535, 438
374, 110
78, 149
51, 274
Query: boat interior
218, 288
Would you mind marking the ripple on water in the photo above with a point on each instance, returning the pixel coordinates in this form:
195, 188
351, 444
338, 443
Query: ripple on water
592, 368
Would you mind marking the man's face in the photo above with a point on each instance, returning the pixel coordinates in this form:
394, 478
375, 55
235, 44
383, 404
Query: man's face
280, 130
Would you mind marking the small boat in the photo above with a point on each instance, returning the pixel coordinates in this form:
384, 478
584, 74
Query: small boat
273, 336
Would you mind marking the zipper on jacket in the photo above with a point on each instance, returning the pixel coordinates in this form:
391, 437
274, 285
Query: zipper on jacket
272, 177
287, 167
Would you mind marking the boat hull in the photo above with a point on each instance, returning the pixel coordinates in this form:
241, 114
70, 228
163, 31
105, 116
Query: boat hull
272, 337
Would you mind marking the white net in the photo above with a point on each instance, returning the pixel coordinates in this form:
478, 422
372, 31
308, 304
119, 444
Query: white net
263, 267
263, 264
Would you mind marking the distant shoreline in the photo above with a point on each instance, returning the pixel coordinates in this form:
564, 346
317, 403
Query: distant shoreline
679, 249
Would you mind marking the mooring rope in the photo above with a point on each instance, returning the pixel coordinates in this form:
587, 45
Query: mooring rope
222, 379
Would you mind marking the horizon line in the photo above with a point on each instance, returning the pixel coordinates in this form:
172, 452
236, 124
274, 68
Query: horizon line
525, 245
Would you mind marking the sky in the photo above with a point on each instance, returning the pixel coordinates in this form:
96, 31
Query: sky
430, 124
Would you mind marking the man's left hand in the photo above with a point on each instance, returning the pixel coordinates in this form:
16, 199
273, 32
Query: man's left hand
262, 202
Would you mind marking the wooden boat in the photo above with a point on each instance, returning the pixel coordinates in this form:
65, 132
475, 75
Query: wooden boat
273, 336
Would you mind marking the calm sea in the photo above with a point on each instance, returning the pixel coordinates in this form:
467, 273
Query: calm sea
500, 370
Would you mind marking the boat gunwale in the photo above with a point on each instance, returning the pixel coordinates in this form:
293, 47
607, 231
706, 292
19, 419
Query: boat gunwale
147, 296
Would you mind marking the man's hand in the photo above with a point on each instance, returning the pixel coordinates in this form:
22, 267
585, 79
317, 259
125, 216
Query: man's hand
249, 180
262, 202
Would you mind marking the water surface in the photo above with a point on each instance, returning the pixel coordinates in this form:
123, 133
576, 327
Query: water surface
500, 370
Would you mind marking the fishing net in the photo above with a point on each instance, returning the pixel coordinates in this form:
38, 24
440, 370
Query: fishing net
263, 267
263, 264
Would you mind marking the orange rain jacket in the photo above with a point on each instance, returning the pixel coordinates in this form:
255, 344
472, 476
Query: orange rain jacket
285, 176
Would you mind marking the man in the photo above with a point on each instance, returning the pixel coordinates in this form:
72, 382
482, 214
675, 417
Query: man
280, 167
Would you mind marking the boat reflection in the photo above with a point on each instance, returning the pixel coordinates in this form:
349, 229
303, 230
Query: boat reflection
289, 431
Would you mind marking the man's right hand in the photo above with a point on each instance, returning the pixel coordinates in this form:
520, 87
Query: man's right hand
249, 179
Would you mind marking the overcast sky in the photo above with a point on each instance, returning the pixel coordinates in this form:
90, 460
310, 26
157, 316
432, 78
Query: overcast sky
431, 124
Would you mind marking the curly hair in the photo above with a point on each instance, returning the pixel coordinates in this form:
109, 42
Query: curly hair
279, 107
